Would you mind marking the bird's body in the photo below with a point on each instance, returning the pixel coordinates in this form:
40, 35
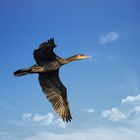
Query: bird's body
47, 66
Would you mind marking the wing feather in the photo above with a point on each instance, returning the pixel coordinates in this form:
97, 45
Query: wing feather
56, 93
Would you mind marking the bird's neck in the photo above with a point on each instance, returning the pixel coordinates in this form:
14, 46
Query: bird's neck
68, 60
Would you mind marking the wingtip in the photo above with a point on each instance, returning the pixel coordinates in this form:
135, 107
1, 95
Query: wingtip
51, 42
52, 39
67, 119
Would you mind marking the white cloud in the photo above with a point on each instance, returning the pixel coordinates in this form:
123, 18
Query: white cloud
136, 109
129, 108
98, 131
89, 110
44, 120
27, 117
113, 115
60, 123
131, 99
108, 37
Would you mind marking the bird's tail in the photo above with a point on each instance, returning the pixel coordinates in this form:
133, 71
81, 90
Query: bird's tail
22, 72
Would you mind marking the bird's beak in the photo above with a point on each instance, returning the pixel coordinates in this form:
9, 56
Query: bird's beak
88, 56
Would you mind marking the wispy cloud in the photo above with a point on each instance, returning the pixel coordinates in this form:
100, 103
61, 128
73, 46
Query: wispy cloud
8, 106
101, 133
44, 120
113, 114
134, 81
7, 102
88, 110
108, 37
111, 58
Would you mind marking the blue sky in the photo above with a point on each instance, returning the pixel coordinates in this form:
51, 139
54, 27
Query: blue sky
103, 91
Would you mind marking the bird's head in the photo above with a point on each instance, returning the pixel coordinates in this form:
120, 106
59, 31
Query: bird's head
81, 56
76, 57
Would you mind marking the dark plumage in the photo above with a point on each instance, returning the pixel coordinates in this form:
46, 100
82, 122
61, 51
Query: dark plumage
47, 66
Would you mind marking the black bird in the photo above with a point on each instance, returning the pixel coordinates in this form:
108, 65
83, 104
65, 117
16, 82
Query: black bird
47, 66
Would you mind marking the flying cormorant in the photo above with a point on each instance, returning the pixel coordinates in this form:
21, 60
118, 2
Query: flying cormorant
47, 66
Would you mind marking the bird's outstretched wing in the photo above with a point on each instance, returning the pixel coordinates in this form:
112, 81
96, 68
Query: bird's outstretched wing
45, 52
56, 93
